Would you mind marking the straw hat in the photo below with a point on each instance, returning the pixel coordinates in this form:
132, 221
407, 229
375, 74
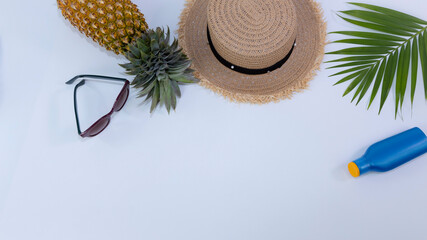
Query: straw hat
255, 51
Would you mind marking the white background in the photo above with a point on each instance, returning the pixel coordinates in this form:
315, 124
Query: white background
211, 170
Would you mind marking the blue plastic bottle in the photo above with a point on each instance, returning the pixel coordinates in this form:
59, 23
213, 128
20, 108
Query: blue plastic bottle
391, 153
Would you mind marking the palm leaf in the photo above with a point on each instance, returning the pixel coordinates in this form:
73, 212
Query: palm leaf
384, 56
354, 63
355, 58
354, 83
370, 35
391, 12
384, 20
423, 54
378, 81
376, 27
350, 70
405, 73
368, 82
414, 69
390, 72
367, 42
350, 77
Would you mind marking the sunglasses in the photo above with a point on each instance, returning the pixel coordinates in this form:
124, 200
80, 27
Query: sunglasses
103, 122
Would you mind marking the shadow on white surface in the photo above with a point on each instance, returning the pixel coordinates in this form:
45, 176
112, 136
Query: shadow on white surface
61, 123
340, 172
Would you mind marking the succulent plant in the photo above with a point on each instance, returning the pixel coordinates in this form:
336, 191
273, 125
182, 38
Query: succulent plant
159, 68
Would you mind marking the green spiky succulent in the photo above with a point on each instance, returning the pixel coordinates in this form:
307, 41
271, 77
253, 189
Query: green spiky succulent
159, 67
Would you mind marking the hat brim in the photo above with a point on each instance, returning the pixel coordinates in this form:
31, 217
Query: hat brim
282, 83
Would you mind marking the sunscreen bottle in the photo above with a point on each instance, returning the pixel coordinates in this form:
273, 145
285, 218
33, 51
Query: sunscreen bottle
391, 153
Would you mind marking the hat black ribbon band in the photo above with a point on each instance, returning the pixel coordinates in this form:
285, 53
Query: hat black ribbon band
248, 70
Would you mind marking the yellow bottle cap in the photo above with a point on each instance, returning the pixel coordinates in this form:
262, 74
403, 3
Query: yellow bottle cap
353, 169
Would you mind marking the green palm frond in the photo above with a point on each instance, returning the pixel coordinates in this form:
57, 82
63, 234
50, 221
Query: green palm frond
387, 54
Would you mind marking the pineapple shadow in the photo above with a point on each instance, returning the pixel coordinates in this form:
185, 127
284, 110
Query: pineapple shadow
88, 39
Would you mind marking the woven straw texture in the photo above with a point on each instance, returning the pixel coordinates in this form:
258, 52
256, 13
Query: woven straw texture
237, 44
252, 34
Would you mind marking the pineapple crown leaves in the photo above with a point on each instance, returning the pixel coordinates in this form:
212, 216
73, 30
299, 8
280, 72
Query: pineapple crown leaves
388, 53
159, 68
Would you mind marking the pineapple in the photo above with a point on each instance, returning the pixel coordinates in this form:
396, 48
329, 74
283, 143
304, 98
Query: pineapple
114, 24
159, 67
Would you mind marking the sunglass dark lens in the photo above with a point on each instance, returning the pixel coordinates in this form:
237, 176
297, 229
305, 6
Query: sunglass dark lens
121, 100
99, 126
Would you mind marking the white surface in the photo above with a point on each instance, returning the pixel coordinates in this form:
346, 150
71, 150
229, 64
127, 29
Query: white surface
210, 170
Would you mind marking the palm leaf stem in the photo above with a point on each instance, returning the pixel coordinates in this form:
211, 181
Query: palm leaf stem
391, 52
400, 46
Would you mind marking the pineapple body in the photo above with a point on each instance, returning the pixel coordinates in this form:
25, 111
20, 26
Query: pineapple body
113, 24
